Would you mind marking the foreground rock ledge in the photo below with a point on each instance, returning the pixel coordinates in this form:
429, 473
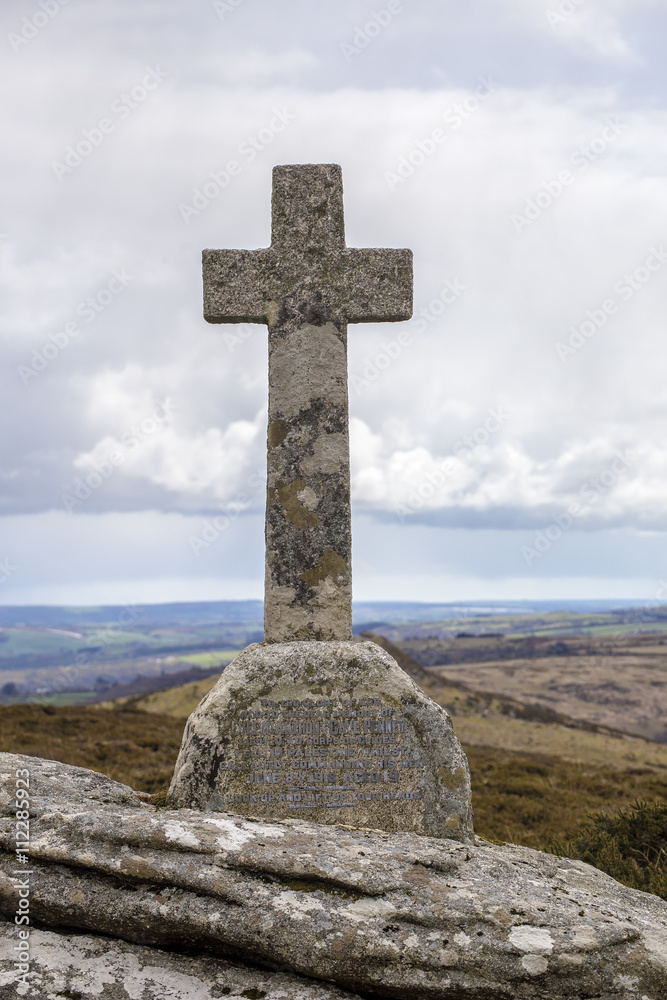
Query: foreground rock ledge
395, 915
74, 965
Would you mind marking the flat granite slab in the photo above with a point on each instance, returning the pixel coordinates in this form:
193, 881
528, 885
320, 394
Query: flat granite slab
331, 732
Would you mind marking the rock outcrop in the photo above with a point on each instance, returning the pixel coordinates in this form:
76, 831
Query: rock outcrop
393, 915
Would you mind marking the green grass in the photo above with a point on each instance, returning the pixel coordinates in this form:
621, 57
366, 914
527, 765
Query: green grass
552, 625
217, 657
64, 699
605, 631
113, 643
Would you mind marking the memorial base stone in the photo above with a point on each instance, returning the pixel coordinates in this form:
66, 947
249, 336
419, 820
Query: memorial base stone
330, 732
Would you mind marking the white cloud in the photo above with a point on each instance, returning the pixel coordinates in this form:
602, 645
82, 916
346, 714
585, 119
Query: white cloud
212, 463
608, 485
494, 345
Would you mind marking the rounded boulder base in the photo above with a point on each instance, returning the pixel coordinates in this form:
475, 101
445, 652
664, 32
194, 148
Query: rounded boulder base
330, 732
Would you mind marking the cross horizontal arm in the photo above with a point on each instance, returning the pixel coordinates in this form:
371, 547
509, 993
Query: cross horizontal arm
352, 285
238, 286
375, 286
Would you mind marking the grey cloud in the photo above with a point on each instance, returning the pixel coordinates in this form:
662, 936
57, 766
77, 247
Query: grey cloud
119, 208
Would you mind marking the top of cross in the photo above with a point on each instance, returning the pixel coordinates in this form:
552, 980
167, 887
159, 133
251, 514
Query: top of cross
307, 207
307, 274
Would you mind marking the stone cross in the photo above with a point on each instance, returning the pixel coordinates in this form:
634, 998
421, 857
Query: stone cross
307, 286
310, 723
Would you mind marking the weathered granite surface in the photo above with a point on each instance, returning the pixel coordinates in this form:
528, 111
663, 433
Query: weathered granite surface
307, 286
394, 915
333, 732
69, 966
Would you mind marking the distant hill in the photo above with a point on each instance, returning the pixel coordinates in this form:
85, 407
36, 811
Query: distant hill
59, 651
150, 615
365, 613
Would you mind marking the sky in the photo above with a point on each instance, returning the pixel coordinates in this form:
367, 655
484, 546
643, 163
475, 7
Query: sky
511, 444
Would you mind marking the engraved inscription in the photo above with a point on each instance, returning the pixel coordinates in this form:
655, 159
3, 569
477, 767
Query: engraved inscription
324, 753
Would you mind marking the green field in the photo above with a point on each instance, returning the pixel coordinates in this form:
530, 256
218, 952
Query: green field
216, 658
557, 624
60, 654
34, 646
69, 698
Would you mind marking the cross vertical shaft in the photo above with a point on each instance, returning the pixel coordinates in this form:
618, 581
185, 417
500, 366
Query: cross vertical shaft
306, 287
308, 584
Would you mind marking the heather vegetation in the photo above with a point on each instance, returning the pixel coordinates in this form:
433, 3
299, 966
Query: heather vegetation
630, 845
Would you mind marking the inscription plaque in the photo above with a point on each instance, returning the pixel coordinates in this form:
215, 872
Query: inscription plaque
326, 752
331, 732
